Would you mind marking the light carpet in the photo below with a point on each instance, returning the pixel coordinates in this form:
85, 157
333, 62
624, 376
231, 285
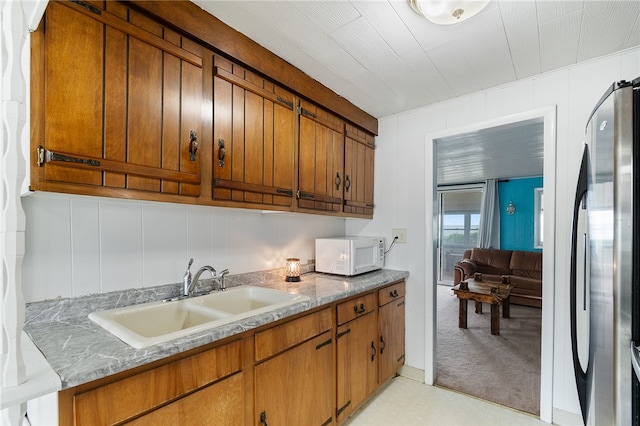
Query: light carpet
504, 369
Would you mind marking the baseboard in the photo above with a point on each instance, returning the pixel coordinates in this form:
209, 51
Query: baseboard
566, 418
412, 373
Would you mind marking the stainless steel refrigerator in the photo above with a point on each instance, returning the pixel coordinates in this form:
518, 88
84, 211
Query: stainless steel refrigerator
604, 284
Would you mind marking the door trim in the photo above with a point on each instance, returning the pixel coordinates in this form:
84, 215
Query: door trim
548, 114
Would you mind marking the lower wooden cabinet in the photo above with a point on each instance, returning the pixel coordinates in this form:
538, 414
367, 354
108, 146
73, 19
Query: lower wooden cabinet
356, 363
315, 369
370, 345
140, 394
296, 387
391, 320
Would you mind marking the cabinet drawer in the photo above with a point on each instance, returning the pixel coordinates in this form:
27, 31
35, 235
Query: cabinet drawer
392, 292
199, 408
356, 307
282, 337
126, 398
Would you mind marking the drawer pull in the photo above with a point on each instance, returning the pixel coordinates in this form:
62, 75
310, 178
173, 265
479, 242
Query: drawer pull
193, 145
221, 152
347, 331
328, 342
394, 293
359, 309
373, 351
382, 345
344, 407
263, 419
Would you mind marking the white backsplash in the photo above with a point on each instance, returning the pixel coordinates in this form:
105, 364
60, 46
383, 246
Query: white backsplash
77, 245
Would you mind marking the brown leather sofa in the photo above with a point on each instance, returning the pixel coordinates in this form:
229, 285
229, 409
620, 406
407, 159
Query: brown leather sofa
523, 268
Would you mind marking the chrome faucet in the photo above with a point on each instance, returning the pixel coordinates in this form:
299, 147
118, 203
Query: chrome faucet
189, 281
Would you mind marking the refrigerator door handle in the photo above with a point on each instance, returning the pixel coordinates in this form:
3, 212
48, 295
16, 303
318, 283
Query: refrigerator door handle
583, 384
585, 241
635, 359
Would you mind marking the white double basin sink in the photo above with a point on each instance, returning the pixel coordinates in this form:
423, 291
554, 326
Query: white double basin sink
151, 323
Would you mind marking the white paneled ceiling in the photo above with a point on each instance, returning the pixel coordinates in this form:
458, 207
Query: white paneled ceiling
385, 58
508, 151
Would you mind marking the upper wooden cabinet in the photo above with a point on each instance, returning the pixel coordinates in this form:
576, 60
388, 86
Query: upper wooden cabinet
321, 159
358, 172
129, 100
253, 138
117, 103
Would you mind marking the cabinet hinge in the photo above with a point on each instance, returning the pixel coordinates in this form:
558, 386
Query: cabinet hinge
89, 7
286, 102
344, 407
328, 342
54, 156
40, 151
308, 113
285, 192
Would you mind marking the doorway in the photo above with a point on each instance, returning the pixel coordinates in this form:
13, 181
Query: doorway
547, 117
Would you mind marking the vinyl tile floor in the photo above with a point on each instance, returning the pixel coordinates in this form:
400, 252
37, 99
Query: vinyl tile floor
405, 402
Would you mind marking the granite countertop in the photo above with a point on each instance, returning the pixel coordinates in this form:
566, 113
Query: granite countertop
80, 351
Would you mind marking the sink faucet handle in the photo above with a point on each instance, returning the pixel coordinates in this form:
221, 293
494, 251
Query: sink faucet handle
187, 273
186, 279
221, 285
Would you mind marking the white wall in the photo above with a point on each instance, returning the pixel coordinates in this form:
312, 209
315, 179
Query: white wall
400, 192
78, 245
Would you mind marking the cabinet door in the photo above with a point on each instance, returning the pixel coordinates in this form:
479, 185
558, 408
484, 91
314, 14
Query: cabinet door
356, 363
321, 160
124, 399
297, 386
391, 320
219, 404
358, 172
117, 103
253, 160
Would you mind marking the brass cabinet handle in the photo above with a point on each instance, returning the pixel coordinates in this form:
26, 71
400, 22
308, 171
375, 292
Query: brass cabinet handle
221, 152
193, 145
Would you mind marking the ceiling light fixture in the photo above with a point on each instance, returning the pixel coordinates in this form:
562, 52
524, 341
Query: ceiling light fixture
447, 12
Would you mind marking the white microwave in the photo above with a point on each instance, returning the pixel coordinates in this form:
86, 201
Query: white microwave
349, 255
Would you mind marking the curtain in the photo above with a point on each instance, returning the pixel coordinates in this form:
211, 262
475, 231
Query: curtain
489, 232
